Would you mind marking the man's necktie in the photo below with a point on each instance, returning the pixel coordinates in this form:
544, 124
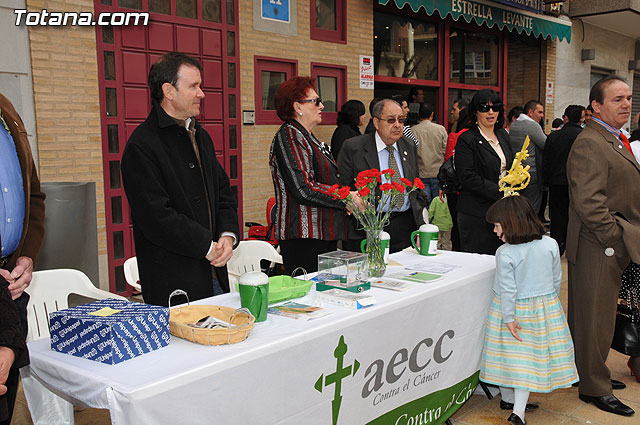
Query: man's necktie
625, 142
397, 200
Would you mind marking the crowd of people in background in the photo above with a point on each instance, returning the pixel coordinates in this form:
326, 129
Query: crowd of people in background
185, 217
570, 170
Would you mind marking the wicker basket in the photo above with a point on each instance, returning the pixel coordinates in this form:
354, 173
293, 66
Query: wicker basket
242, 322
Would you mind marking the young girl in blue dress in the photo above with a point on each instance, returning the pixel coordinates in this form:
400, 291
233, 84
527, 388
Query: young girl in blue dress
527, 347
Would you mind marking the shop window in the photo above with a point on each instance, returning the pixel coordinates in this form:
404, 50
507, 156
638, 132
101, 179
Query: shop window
231, 12
160, 6
131, 4
405, 48
187, 9
328, 20
598, 74
269, 74
474, 58
107, 35
331, 86
211, 10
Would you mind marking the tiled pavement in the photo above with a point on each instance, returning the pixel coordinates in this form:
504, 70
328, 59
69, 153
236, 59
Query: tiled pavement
562, 407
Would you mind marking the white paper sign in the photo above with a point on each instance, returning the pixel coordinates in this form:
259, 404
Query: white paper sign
549, 92
366, 72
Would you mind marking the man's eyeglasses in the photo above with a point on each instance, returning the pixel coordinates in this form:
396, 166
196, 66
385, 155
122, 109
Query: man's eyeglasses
392, 120
317, 101
496, 107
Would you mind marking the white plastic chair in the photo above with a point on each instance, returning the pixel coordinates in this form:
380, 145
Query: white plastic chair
247, 257
131, 274
49, 291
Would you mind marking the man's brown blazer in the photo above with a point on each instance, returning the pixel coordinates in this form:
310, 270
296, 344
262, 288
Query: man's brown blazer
603, 236
604, 188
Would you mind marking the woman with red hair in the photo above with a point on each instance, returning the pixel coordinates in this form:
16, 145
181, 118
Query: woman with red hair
309, 220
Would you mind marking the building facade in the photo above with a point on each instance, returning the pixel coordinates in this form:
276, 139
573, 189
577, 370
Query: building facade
89, 83
605, 40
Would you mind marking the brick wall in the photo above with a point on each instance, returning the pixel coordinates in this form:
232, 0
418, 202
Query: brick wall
67, 107
256, 140
531, 62
523, 70
548, 74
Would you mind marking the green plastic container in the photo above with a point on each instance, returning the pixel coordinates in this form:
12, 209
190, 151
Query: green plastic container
282, 288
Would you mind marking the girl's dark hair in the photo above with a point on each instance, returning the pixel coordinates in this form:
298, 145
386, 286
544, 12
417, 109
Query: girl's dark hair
350, 113
486, 96
520, 224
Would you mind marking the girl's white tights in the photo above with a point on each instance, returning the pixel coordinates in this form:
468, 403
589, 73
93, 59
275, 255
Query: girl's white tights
520, 402
516, 396
506, 394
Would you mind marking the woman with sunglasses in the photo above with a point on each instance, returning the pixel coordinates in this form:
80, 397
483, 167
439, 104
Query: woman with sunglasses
309, 221
482, 156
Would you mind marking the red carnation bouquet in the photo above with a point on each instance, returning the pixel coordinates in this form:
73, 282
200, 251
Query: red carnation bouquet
373, 217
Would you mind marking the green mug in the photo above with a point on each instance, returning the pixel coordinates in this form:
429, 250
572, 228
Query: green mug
428, 234
385, 241
254, 293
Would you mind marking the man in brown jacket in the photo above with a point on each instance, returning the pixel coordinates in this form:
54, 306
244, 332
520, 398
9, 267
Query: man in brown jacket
22, 227
603, 236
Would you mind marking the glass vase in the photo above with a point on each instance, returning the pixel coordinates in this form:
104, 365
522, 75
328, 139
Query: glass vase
375, 254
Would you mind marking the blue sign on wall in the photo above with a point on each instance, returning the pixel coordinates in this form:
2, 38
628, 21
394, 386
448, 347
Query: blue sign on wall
533, 5
276, 10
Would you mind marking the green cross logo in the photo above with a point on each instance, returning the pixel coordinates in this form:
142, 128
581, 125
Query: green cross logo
337, 377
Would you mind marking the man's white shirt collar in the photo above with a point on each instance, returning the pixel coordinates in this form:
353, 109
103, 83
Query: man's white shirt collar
380, 145
526, 117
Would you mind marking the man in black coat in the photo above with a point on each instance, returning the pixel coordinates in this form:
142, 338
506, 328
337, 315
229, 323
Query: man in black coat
371, 151
183, 210
556, 152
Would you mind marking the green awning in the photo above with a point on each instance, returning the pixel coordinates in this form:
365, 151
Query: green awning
487, 14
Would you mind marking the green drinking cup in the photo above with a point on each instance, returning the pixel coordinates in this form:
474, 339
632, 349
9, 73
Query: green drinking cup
254, 294
428, 234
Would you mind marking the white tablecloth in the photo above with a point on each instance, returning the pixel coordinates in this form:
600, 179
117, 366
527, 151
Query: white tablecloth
273, 376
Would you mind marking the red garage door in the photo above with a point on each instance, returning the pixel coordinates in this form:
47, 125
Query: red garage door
206, 29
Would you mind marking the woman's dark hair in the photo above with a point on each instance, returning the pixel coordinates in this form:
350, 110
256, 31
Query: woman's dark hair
557, 122
350, 113
520, 224
464, 120
486, 96
514, 113
166, 71
292, 90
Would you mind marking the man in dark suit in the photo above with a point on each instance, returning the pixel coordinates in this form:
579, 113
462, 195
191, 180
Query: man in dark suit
373, 151
556, 152
183, 210
21, 219
603, 236
13, 349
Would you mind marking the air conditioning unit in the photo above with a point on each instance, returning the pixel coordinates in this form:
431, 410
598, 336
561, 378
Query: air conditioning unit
588, 54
